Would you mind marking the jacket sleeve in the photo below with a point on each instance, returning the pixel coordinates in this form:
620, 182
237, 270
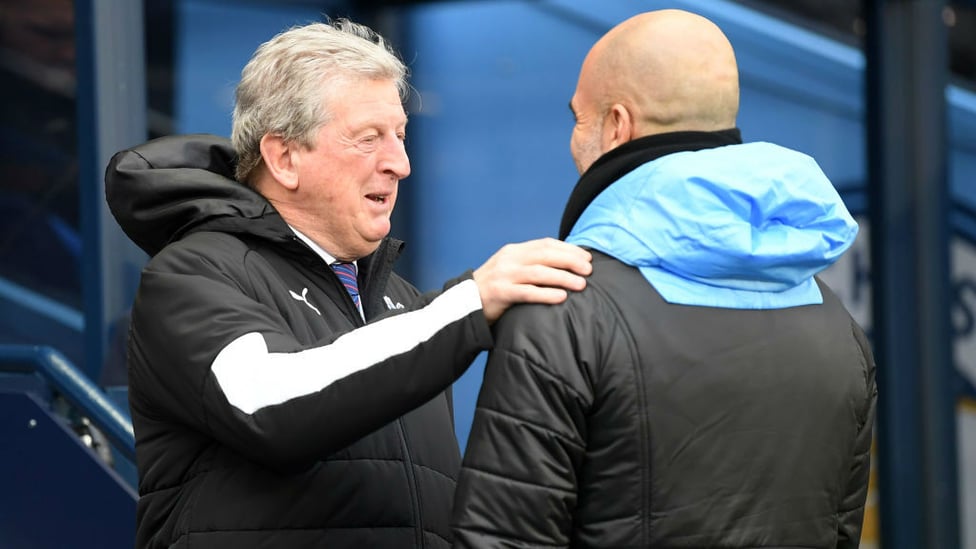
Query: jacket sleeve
200, 348
518, 481
851, 512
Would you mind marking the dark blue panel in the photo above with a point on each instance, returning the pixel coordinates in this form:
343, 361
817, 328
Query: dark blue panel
56, 492
962, 143
908, 198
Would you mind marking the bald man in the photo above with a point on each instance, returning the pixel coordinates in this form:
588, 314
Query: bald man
706, 389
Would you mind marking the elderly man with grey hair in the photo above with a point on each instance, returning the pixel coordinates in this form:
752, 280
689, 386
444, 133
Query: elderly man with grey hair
278, 402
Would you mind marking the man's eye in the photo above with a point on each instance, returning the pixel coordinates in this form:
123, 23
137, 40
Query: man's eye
402, 136
369, 139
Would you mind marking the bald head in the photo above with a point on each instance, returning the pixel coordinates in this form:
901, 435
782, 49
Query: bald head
660, 71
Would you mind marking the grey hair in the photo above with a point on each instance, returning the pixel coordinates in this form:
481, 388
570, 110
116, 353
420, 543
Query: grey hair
285, 87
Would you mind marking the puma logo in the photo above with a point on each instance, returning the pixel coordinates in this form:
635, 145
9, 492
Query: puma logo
304, 298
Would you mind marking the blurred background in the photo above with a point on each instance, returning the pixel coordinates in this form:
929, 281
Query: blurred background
881, 92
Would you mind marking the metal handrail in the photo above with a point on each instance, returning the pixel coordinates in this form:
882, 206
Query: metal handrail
76, 388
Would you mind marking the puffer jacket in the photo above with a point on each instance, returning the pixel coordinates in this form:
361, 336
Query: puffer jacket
704, 390
266, 413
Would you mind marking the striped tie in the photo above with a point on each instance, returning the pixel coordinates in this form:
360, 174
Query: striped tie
347, 275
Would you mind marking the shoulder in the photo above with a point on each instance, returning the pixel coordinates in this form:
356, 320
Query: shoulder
602, 288
209, 246
571, 342
586, 321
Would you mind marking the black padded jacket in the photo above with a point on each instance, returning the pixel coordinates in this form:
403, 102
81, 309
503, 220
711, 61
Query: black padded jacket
266, 412
619, 419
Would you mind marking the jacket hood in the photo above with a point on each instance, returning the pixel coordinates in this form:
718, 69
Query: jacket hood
739, 226
169, 187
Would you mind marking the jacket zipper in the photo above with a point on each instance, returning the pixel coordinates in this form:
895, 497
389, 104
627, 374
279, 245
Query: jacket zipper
412, 481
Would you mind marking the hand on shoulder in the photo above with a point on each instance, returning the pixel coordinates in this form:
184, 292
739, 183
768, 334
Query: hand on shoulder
536, 271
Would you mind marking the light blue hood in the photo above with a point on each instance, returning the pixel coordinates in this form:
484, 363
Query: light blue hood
741, 226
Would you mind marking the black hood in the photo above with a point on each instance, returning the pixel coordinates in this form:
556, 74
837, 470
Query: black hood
169, 187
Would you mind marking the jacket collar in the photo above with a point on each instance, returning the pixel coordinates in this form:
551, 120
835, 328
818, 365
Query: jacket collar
618, 162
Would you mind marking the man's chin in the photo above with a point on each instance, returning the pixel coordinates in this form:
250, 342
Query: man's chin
374, 241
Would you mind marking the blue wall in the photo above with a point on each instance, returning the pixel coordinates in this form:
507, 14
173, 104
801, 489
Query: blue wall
216, 38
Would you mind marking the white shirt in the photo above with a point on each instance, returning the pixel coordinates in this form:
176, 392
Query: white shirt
329, 260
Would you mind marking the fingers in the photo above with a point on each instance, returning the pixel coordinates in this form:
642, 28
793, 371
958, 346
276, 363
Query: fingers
537, 271
538, 274
497, 299
536, 294
551, 253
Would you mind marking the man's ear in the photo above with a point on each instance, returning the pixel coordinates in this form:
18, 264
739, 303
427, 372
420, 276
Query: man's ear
618, 127
281, 160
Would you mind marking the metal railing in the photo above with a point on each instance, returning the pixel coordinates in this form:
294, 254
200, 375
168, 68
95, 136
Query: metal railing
69, 382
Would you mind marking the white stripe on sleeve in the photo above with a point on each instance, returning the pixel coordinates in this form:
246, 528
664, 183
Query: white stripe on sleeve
252, 378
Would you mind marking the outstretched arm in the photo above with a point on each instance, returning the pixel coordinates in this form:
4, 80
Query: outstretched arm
248, 382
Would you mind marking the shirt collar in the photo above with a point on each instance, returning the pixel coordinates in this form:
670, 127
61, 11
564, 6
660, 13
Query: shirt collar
326, 256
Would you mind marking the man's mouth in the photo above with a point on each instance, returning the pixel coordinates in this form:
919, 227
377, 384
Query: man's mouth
378, 198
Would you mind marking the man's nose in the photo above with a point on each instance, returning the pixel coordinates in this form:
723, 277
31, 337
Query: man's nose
395, 160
